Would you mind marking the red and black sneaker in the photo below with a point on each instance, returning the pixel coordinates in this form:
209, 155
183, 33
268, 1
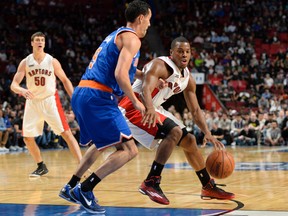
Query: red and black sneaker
151, 188
211, 191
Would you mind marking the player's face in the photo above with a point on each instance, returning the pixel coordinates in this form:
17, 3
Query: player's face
145, 23
181, 54
38, 43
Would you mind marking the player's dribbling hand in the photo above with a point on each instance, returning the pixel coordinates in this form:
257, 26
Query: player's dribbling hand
209, 138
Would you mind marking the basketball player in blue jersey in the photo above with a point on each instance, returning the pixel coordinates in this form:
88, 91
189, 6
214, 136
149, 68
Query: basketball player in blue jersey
94, 102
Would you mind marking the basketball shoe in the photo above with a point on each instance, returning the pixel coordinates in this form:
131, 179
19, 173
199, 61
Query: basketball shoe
65, 194
151, 188
41, 170
87, 200
211, 191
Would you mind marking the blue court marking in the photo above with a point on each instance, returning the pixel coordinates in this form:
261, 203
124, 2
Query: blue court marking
241, 166
270, 149
45, 210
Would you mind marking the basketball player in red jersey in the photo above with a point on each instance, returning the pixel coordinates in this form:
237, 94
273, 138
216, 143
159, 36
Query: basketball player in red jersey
42, 100
172, 69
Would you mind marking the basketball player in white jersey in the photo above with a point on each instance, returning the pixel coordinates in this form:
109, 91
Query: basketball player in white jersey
159, 124
42, 100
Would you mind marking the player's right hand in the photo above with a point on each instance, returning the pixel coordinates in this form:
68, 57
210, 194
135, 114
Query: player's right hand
151, 117
27, 94
139, 106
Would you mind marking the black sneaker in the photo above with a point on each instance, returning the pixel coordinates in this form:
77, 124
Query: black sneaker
41, 170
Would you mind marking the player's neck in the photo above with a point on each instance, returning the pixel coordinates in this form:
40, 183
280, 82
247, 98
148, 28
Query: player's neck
39, 56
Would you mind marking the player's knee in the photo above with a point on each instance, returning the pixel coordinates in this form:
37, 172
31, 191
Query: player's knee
133, 152
175, 135
188, 143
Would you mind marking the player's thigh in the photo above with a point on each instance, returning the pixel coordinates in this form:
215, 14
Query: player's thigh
54, 115
33, 122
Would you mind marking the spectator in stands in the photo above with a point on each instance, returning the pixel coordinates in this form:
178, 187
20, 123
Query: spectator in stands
11, 68
254, 126
254, 61
4, 133
273, 135
278, 82
218, 133
245, 137
280, 117
285, 83
208, 61
3, 55
225, 124
215, 81
225, 95
9, 131
267, 94
237, 125
199, 39
73, 124
16, 120
275, 105
263, 103
209, 119
284, 129
188, 121
268, 80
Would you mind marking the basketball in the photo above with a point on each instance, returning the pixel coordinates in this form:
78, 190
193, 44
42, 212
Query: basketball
220, 164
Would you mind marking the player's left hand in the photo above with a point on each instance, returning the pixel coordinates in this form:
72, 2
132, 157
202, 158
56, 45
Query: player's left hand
209, 138
162, 84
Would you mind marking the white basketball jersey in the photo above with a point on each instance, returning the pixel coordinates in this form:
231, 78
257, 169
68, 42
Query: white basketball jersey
176, 83
40, 78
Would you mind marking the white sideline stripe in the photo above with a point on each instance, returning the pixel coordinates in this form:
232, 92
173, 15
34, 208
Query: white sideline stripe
258, 213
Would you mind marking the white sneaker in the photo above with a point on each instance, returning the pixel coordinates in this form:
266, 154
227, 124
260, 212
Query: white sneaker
4, 149
12, 148
18, 148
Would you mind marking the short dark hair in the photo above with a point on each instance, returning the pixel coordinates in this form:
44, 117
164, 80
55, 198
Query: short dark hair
179, 39
37, 34
136, 8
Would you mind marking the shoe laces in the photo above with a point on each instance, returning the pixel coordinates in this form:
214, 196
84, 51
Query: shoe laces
212, 184
90, 195
39, 168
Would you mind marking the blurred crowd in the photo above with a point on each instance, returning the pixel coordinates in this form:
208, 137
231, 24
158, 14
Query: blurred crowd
241, 46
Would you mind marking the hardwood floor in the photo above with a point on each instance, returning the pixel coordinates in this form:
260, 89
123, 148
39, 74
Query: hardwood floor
259, 181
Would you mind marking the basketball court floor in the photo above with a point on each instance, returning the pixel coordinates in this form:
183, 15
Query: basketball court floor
260, 182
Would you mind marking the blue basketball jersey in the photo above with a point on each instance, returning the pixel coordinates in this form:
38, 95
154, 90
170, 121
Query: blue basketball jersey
103, 63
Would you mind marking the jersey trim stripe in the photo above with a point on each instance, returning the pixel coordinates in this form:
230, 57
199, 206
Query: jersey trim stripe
61, 112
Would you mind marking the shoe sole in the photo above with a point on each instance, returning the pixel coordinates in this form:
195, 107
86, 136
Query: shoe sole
87, 209
151, 198
209, 198
35, 175
68, 199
